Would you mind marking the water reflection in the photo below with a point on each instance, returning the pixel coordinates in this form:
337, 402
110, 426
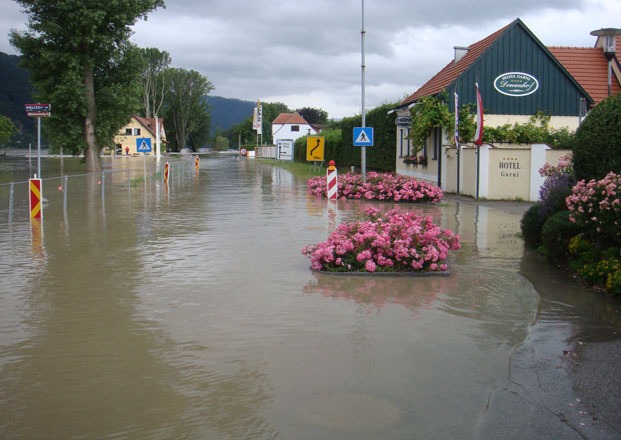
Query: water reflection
375, 292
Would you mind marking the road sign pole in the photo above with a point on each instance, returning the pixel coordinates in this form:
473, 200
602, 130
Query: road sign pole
363, 152
39, 147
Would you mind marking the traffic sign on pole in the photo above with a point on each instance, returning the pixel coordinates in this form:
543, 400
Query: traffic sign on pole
143, 145
363, 136
315, 148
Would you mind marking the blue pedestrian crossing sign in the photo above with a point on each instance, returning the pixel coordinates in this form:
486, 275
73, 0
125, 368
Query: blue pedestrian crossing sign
143, 145
363, 136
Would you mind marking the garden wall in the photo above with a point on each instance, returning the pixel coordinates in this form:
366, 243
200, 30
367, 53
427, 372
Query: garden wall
496, 172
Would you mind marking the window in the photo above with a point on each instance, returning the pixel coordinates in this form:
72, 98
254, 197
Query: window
295, 128
128, 131
136, 132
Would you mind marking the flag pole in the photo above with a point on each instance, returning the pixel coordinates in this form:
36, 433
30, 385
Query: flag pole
478, 138
456, 136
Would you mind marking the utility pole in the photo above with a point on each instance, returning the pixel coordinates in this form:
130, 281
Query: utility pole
363, 152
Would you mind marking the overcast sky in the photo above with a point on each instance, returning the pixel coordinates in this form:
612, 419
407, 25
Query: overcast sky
308, 54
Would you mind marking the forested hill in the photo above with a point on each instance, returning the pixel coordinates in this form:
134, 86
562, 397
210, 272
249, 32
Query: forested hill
226, 112
15, 91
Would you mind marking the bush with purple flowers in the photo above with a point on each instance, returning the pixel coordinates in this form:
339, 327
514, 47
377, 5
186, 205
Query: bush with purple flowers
557, 186
394, 242
378, 186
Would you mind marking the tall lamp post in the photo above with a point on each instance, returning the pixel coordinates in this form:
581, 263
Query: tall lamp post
363, 152
609, 35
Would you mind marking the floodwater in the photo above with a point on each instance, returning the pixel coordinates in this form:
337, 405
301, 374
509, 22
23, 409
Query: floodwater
190, 312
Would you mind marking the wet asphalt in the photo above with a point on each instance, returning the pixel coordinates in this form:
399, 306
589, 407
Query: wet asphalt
564, 379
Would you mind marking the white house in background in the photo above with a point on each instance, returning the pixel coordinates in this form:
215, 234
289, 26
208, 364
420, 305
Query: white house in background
286, 129
291, 126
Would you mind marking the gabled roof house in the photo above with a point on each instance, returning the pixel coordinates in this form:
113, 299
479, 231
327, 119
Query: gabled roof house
291, 126
139, 127
562, 77
518, 77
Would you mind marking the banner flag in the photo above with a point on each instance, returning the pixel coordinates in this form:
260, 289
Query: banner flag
257, 118
478, 135
456, 134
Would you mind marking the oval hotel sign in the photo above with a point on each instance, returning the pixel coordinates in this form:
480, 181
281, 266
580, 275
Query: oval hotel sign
516, 84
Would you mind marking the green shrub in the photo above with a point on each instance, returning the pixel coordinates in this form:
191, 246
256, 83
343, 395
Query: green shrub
556, 233
599, 268
531, 225
597, 148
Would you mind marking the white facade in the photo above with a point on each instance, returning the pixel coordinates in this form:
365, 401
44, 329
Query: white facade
290, 126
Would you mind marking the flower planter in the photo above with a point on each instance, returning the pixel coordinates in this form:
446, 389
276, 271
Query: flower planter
393, 244
439, 273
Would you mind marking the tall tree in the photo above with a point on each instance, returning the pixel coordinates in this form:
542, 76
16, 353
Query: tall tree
153, 83
6, 130
271, 110
185, 104
83, 63
313, 115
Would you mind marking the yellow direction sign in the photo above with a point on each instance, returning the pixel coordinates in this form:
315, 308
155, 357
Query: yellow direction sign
315, 148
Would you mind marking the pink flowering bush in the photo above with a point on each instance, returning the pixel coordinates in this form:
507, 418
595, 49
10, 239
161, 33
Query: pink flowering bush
596, 207
378, 186
564, 166
395, 242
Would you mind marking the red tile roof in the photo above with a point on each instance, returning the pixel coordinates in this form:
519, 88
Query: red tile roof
149, 123
589, 67
446, 76
290, 118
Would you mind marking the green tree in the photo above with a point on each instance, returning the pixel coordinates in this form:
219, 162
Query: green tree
199, 135
83, 63
220, 143
597, 148
185, 105
153, 84
271, 110
313, 115
244, 131
241, 134
7, 129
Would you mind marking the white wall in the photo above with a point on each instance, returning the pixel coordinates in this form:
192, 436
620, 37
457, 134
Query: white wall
284, 131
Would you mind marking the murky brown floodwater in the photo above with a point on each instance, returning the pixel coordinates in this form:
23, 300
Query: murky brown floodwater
192, 314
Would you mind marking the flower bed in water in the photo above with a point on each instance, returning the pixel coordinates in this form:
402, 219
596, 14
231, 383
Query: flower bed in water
377, 186
396, 242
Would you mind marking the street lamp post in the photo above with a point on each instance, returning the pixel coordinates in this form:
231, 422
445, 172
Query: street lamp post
363, 153
609, 35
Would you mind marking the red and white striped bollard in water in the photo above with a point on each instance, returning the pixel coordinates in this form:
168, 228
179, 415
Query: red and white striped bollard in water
332, 181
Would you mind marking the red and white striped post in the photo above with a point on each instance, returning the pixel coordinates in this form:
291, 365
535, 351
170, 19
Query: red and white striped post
332, 181
166, 173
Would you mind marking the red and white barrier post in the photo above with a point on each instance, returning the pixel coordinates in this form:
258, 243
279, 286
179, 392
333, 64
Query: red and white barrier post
166, 173
332, 181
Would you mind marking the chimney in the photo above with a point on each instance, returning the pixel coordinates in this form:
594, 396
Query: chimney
606, 40
460, 52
